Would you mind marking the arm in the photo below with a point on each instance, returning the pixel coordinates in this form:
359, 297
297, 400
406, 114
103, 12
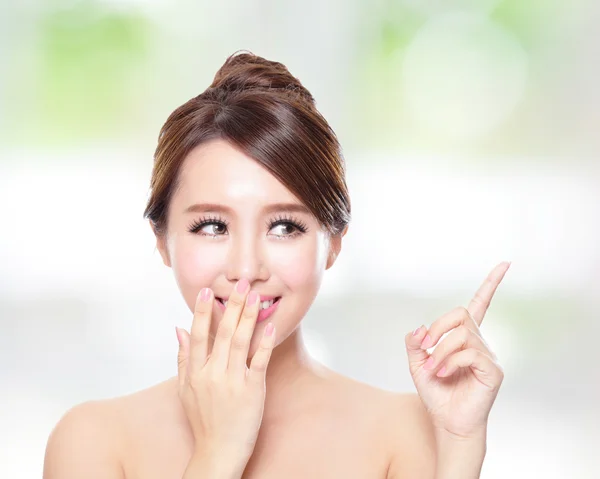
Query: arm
421, 452
82, 444
213, 466
411, 442
459, 457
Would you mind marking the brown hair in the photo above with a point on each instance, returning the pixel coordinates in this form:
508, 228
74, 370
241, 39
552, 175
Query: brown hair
261, 109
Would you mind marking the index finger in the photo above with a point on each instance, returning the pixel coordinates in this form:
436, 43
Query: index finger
200, 329
483, 297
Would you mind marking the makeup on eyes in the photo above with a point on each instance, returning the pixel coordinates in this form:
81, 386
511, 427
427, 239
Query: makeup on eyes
286, 220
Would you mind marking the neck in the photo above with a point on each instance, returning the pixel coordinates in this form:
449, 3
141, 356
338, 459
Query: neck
290, 369
290, 372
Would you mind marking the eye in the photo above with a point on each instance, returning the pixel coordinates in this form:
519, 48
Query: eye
286, 228
209, 226
214, 229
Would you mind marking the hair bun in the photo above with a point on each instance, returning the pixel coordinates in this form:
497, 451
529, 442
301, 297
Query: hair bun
246, 71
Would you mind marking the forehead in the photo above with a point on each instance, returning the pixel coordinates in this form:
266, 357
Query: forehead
219, 173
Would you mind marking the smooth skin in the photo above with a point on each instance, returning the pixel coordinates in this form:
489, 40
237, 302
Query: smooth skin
459, 381
160, 431
222, 397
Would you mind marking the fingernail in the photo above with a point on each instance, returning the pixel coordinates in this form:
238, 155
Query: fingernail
442, 371
429, 364
205, 294
416, 331
425, 344
177, 333
252, 297
242, 285
269, 329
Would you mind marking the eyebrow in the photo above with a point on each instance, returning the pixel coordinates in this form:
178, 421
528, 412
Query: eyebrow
272, 208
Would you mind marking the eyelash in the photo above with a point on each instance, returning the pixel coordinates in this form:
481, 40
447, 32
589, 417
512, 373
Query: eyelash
300, 227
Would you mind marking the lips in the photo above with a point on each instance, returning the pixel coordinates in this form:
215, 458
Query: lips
267, 302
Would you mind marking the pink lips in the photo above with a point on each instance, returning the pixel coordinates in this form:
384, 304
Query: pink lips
263, 313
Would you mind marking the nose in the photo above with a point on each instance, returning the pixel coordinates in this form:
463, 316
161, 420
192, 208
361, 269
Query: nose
246, 260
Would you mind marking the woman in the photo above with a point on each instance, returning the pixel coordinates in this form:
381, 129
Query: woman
249, 205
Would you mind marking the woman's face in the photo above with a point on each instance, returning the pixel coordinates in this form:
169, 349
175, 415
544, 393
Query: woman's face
228, 220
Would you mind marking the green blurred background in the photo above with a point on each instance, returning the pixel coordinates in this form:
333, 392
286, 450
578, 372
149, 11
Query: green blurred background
470, 130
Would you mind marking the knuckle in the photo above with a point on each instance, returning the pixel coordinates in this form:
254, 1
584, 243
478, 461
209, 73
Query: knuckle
467, 316
265, 351
238, 341
474, 353
214, 377
180, 360
478, 298
463, 333
201, 308
235, 301
260, 365
197, 339
225, 331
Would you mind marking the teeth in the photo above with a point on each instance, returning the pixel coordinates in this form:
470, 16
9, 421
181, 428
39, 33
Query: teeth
263, 305
266, 304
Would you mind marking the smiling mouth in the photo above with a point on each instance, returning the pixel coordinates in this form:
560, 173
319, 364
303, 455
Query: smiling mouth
263, 304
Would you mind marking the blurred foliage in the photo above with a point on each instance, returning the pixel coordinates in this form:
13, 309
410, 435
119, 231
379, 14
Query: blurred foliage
527, 20
88, 67
377, 91
88, 60
539, 320
376, 73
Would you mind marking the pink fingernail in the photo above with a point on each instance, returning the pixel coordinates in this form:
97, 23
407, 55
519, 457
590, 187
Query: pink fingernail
242, 285
269, 329
252, 297
429, 363
442, 371
205, 294
426, 341
416, 331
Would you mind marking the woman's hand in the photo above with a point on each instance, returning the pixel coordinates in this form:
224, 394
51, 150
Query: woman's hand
458, 383
223, 398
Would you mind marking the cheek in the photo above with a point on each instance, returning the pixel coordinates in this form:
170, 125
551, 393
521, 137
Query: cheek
298, 266
194, 267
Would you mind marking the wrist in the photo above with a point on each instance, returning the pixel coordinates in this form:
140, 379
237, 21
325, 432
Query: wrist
459, 457
203, 465
444, 437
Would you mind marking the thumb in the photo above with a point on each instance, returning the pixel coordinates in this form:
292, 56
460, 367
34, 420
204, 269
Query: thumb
182, 354
416, 355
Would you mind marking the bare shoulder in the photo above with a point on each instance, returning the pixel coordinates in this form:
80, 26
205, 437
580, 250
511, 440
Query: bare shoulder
92, 438
85, 443
404, 429
411, 437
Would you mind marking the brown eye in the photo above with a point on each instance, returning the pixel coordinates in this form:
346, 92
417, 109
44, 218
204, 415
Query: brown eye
285, 229
214, 228
209, 227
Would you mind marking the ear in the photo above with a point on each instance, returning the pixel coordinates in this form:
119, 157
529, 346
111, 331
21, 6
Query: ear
335, 246
161, 246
